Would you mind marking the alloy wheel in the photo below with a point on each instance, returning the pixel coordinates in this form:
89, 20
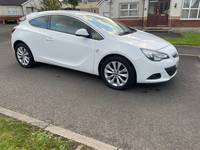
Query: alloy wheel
23, 56
116, 73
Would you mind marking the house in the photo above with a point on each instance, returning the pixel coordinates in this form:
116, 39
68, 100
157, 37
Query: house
86, 5
15, 9
179, 15
27, 6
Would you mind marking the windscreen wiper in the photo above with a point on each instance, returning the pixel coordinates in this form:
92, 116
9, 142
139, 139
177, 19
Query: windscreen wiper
126, 32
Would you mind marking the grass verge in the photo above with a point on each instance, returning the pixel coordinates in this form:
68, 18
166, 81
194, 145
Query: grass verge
11, 25
191, 39
11, 20
17, 135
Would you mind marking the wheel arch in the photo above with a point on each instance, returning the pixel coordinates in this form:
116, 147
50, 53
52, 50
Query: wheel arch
110, 55
17, 42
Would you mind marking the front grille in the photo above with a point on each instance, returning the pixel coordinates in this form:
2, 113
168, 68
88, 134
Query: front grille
171, 70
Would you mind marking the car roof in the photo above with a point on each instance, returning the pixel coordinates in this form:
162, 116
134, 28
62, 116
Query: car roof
59, 12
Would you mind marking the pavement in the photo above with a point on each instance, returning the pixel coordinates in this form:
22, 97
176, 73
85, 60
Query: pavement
146, 116
166, 34
192, 50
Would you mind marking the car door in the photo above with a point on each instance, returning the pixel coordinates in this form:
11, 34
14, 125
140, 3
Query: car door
62, 47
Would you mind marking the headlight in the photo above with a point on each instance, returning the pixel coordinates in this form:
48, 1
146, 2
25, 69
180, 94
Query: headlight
154, 55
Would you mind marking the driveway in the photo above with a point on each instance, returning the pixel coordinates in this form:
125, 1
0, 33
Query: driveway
146, 116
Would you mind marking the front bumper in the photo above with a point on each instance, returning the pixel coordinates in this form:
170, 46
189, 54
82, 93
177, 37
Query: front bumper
157, 71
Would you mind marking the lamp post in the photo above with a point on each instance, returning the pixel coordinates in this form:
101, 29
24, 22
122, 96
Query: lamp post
90, 7
143, 14
170, 20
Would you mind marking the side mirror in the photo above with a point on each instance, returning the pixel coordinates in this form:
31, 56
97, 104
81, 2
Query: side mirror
82, 32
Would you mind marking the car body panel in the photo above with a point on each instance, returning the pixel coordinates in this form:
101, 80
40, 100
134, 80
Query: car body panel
62, 48
112, 47
146, 40
32, 37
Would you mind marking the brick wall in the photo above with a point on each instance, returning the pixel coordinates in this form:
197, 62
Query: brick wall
176, 22
132, 22
145, 22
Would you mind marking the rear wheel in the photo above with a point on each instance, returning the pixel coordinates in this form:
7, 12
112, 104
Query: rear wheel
24, 55
117, 73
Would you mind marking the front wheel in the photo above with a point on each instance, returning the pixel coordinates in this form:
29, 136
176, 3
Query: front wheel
117, 73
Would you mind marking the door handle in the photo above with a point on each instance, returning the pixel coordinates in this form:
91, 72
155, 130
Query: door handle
49, 39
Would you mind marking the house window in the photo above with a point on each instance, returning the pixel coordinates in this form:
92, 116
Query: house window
29, 10
191, 9
84, 1
87, 10
129, 10
94, 10
13, 11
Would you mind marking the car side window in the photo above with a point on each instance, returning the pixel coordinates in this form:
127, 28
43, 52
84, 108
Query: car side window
40, 22
95, 35
66, 24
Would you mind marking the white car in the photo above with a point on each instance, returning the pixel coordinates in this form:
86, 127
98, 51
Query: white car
94, 44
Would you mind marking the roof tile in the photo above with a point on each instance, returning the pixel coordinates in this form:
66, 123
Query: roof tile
12, 2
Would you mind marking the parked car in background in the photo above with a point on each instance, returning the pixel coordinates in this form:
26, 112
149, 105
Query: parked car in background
94, 44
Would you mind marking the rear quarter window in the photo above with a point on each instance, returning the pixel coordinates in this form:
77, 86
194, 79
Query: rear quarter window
40, 22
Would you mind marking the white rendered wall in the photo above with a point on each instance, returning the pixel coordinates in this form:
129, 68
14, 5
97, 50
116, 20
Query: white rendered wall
104, 8
115, 7
1, 10
30, 4
176, 11
4, 9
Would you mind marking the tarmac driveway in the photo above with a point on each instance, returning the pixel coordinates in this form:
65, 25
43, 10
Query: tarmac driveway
154, 116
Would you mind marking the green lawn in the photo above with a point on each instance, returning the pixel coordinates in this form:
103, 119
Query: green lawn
15, 135
10, 20
191, 39
11, 25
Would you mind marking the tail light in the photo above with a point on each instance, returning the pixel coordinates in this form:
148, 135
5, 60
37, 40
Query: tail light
13, 30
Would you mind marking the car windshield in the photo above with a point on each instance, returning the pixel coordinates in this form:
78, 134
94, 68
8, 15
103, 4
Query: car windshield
109, 25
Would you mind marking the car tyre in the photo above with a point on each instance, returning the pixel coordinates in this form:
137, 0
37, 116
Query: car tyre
117, 72
24, 56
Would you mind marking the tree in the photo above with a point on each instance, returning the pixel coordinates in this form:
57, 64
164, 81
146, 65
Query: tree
48, 5
74, 3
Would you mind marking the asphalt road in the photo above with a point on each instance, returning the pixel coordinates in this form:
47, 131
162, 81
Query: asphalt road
150, 117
